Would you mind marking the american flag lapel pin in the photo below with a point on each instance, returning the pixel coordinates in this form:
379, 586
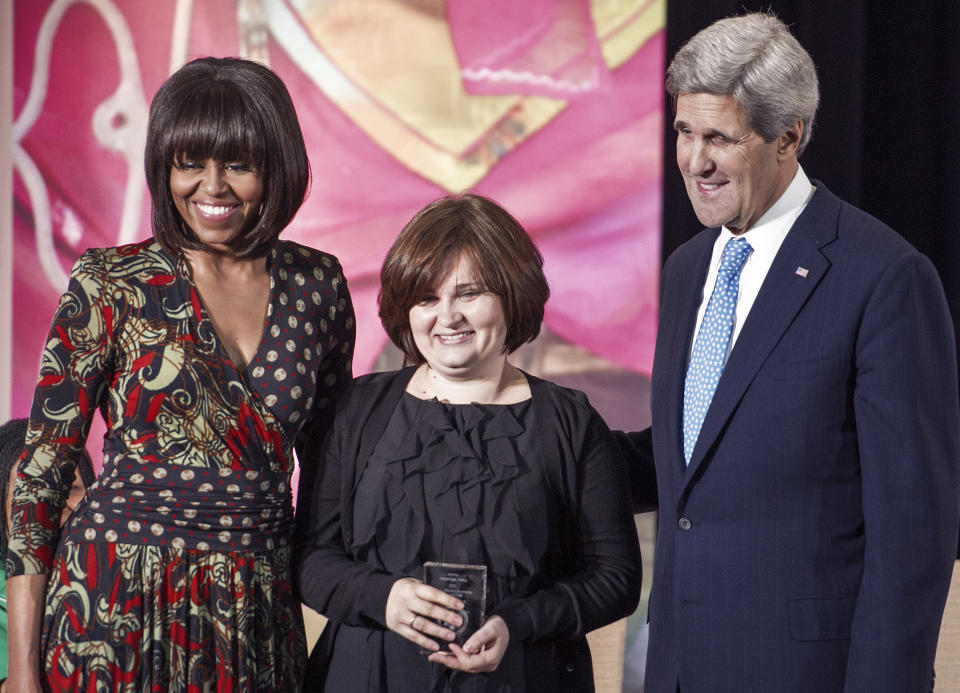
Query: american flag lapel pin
802, 272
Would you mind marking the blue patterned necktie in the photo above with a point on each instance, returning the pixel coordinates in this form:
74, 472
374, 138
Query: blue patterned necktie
710, 348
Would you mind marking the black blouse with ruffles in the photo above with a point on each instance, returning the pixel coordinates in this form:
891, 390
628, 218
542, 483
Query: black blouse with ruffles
537, 491
445, 483
451, 483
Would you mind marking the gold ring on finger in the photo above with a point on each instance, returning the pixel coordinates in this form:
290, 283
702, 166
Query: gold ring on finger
412, 620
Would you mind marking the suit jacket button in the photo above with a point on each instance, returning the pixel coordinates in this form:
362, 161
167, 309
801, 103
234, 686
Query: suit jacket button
685, 523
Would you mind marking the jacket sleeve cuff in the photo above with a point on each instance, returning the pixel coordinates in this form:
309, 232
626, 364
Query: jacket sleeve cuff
517, 619
373, 602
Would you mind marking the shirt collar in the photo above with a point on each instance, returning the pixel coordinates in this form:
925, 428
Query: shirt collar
774, 224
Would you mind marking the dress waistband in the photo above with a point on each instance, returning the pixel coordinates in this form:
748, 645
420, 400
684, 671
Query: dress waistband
217, 509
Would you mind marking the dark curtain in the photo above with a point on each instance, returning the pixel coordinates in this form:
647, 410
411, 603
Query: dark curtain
889, 120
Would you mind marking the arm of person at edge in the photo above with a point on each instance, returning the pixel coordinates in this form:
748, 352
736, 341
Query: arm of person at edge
25, 603
73, 374
34, 586
637, 449
908, 429
605, 586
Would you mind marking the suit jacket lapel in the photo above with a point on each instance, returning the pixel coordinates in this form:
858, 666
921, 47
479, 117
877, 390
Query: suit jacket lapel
782, 295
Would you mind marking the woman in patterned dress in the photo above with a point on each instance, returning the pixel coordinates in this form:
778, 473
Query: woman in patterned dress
210, 351
462, 458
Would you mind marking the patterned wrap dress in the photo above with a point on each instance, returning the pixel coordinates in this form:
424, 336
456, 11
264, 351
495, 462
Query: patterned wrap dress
174, 573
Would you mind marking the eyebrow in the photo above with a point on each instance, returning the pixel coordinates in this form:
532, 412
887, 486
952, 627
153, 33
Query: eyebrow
680, 124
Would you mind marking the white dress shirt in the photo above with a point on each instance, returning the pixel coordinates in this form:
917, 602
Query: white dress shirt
765, 237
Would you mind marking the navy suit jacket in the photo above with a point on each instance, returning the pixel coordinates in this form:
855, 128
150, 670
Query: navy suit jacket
808, 546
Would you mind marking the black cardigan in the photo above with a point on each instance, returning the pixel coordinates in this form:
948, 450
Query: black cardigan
593, 556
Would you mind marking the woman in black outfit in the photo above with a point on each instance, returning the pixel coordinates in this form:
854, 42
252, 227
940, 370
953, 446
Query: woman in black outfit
462, 458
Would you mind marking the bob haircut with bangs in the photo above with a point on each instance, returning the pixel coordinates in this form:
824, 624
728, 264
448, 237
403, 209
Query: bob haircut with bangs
503, 257
229, 110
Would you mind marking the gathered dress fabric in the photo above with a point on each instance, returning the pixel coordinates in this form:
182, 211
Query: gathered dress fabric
174, 573
471, 484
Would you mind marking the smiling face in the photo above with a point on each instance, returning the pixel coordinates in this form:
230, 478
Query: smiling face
216, 199
460, 328
732, 176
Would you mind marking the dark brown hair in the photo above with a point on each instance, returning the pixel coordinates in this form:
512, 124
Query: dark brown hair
227, 109
504, 258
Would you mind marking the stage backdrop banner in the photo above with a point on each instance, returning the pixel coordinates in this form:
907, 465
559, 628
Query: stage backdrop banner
554, 108
390, 122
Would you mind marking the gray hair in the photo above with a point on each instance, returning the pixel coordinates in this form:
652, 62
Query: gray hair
755, 60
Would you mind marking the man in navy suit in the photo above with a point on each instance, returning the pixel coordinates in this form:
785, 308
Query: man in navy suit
807, 447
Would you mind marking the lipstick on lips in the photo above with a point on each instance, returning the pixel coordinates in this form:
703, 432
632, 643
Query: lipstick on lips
215, 211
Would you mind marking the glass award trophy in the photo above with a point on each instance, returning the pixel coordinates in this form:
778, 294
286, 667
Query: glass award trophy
468, 583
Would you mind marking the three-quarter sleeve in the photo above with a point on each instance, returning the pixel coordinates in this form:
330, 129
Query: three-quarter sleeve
74, 372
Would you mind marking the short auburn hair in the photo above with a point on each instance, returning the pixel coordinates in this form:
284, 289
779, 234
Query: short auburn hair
227, 109
505, 261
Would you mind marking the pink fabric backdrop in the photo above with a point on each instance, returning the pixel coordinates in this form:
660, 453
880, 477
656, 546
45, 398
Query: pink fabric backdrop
583, 175
586, 185
547, 48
